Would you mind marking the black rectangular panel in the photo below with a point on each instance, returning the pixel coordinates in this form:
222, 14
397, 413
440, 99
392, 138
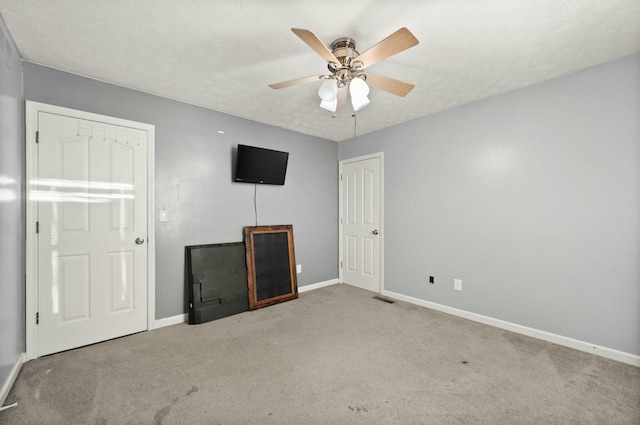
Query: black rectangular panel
217, 281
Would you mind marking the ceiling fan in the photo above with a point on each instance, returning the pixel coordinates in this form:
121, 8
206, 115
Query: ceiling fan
347, 69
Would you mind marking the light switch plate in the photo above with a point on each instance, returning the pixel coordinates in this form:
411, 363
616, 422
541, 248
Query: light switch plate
164, 217
457, 284
298, 268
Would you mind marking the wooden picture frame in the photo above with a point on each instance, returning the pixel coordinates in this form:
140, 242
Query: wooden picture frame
271, 265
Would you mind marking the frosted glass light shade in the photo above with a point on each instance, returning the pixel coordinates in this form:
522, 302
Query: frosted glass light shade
358, 90
359, 103
328, 91
358, 87
329, 106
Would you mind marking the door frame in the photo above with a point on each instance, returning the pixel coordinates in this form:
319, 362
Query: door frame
379, 155
31, 207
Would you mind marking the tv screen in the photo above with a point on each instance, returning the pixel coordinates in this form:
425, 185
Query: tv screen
259, 165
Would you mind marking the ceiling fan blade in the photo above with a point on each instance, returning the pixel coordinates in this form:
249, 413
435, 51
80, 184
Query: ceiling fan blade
295, 82
314, 42
397, 42
397, 87
342, 97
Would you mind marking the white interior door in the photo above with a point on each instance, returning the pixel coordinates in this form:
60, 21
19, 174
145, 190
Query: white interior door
91, 193
361, 219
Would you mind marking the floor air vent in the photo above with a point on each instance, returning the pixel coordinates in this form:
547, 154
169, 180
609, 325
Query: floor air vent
386, 300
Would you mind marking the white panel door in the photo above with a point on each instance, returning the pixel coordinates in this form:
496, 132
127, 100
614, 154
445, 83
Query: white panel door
361, 187
91, 192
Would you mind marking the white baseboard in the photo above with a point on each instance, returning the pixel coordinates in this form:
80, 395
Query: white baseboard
173, 320
598, 350
183, 318
6, 387
318, 285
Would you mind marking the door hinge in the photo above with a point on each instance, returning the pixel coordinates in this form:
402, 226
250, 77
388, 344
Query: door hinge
37, 318
37, 227
340, 264
340, 177
37, 137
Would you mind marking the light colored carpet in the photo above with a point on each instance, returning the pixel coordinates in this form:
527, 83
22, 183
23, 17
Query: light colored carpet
334, 356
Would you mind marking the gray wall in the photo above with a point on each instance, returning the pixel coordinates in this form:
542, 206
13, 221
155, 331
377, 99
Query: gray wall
12, 308
532, 198
193, 178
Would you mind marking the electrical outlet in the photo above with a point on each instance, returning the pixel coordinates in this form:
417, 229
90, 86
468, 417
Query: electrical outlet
457, 284
431, 279
298, 268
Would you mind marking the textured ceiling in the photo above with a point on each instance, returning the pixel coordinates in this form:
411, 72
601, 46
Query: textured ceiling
222, 54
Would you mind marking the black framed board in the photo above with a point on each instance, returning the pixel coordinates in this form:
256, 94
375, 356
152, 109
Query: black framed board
271, 265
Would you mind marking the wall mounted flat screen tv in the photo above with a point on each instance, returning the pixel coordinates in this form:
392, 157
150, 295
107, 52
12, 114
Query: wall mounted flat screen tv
259, 165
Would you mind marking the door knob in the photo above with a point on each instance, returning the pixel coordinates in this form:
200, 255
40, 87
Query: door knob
375, 232
139, 241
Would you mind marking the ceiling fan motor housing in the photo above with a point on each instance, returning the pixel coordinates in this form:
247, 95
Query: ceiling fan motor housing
344, 49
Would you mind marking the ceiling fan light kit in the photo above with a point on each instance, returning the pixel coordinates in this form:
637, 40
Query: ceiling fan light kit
346, 66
